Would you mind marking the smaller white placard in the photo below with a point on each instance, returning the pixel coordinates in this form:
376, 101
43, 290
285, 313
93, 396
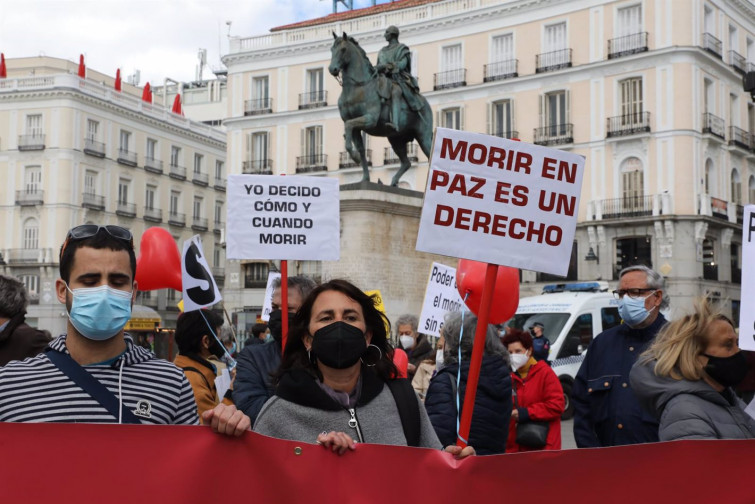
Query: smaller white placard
441, 297
223, 383
267, 305
199, 287
747, 306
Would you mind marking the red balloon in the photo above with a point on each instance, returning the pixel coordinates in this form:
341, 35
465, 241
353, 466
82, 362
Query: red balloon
470, 278
159, 263
401, 361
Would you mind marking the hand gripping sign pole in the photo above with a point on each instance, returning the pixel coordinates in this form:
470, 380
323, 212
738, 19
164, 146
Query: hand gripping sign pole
478, 348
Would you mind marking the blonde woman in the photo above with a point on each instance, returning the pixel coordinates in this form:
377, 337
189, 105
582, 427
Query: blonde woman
686, 378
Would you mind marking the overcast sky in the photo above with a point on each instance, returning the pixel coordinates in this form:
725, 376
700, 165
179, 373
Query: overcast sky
161, 38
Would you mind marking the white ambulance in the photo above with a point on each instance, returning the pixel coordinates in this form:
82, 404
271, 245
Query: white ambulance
572, 315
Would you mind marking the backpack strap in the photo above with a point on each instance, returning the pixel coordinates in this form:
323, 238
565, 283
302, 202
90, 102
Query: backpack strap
195, 370
90, 385
408, 409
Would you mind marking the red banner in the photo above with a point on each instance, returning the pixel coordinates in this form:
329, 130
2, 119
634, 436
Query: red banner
78, 463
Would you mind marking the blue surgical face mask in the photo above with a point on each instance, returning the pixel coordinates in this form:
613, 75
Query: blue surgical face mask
99, 313
633, 310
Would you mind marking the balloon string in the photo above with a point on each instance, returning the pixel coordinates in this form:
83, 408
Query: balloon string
230, 361
458, 372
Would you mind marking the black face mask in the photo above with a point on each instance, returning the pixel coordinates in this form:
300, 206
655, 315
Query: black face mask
339, 345
216, 348
728, 371
275, 323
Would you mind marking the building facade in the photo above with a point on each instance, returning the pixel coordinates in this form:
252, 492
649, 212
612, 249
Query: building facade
73, 151
649, 91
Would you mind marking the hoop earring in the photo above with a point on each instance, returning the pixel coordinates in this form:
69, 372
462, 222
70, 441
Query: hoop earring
380, 357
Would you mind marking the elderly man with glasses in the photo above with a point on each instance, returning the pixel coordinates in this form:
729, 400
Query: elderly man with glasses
95, 373
606, 412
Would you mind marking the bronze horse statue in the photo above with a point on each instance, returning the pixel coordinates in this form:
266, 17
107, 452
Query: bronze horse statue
362, 109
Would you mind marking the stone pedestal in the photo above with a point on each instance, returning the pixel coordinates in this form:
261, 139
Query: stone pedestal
379, 226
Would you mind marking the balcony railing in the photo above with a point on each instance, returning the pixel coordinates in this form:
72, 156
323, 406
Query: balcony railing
94, 148
737, 61
199, 224
712, 45
257, 107
153, 165
217, 226
628, 44
201, 179
719, 208
24, 255
93, 201
506, 134
555, 60
631, 206
126, 157
257, 167
740, 138
313, 99
714, 125
220, 184
30, 197
218, 271
31, 142
125, 209
312, 163
152, 214
345, 161
177, 219
390, 157
500, 70
628, 124
177, 172
450, 79
554, 135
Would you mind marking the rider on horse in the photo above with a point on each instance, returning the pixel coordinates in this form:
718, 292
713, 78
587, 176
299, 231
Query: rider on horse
394, 63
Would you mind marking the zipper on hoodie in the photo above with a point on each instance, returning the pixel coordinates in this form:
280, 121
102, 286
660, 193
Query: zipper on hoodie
354, 424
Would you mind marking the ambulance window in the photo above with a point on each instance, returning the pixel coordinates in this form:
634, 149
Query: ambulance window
579, 334
610, 317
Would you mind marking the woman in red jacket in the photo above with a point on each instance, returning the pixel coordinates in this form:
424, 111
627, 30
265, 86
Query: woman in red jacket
538, 392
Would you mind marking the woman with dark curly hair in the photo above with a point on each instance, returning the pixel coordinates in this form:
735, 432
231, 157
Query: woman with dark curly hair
336, 384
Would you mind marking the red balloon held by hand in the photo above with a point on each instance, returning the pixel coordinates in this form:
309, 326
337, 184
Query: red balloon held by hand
159, 263
470, 278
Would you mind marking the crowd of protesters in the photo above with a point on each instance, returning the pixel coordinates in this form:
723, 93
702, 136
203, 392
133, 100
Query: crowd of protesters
336, 382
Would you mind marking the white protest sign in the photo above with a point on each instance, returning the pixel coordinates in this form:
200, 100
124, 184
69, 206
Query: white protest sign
199, 288
747, 307
267, 305
223, 382
283, 218
498, 201
441, 297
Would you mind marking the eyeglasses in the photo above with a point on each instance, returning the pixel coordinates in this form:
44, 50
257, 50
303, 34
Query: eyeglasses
89, 230
632, 293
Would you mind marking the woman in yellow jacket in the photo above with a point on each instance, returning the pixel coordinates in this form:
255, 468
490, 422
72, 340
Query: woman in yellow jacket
196, 345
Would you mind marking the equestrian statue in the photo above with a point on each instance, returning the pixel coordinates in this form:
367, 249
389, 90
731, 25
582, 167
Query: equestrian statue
382, 100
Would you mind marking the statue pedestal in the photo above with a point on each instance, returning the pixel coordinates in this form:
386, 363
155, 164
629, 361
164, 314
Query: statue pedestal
379, 226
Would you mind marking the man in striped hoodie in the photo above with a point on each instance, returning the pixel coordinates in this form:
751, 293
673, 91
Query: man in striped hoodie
97, 286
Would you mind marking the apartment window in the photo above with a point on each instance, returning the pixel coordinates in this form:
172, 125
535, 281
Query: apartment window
258, 144
750, 50
260, 93
555, 37
175, 156
736, 187
198, 161
502, 119
315, 85
149, 197
197, 207
34, 125
632, 185
32, 179
451, 58
175, 199
629, 20
710, 266
219, 169
31, 234
218, 211
123, 191
751, 189
709, 177
631, 252
736, 263
554, 112
151, 148
502, 48
93, 130
709, 96
255, 274
313, 142
631, 100
216, 257
90, 182
125, 140
451, 118
31, 283
710, 20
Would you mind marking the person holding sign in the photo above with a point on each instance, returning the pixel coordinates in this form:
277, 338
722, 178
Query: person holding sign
336, 385
492, 406
113, 380
687, 376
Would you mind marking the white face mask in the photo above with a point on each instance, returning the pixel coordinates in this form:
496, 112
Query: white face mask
518, 360
406, 341
439, 358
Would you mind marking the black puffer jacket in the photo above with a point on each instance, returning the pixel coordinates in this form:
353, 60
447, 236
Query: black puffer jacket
19, 341
490, 422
